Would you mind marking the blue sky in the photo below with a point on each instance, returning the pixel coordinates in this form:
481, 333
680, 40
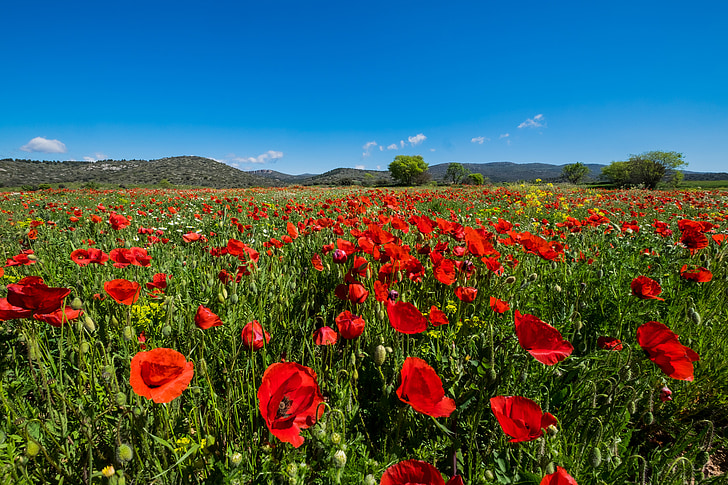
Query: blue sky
310, 86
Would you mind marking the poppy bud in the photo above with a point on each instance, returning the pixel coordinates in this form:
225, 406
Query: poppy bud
114, 321
549, 469
209, 441
335, 438
380, 354
557, 288
489, 475
649, 418
166, 330
492, 375
33, 257
202, 366
89, 324
625, 374
138, 412
76, 304
235, 459
369, 480
600, 274
83, 348
128, 333
510, 280
234, 298
32, 448
108, 372
120, 399
352, 359
533, 277
632, 407
665, 394
595, 457
340, 459
695, 317
125, 452
220, 298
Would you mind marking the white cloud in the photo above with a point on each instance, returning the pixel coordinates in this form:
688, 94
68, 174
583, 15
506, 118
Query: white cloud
381, 148
367, 148
96, 157
432, 149
504, 135
417, 139
269, 156
479, 140
379, 167
44, 145
393, 146
401, 143
535, 122
359, 167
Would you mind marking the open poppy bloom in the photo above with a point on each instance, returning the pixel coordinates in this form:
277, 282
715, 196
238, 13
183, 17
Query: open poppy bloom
541, 340
646, 288
664, 349
350, 326
254, 337
404, 317
10, 312
416, 472
123, 291
83, 257
466, 294
288, 399
520, 418
325, 336
559, 477
609, 343
33, 294
697, 274
499, 306
160, 374
437, 317
421, 388
205, 318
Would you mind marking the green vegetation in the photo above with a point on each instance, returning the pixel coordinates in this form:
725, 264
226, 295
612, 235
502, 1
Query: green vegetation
647, 169
456, 173
408, 170
575, 172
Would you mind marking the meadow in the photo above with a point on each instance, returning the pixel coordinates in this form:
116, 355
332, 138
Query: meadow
529, 334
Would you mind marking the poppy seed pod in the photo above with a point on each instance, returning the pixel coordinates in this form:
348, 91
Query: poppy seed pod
380, 354
510, 280
76, 304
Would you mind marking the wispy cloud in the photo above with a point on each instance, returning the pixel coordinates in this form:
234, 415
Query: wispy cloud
479, 140
96, 157
504, 135
535, 122
401, 143
417, 139
271, 156
368, 148
44, 145
359, 167
393, 146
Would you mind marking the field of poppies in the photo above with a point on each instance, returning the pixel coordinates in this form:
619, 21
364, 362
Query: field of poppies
523, 334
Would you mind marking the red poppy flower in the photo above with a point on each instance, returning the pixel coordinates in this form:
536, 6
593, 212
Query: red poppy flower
288, 399
123, 291
339, 256
20, 259
559, 477
541, 340
697, 274
58, 317
646, 288
609, 343
159, 281
664, 349
118, 221
316, 262
10, 312
665, 394
83, 257
350, 326
404, 317
325, 336
381, 291
205, 318
415, 472
445, 271
160, 374
694, 240
33, 294
357, 294
437, 317
499, 306
254, 337
466, 294
421, 388
520, 418
192, 237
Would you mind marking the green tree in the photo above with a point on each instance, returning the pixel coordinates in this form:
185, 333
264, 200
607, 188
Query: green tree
407, 169
647, 169
456, 173
475, 178
575, 172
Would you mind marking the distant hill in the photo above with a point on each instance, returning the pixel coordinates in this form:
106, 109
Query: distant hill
204, 172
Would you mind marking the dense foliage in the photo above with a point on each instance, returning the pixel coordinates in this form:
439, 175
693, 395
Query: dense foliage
524, 334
